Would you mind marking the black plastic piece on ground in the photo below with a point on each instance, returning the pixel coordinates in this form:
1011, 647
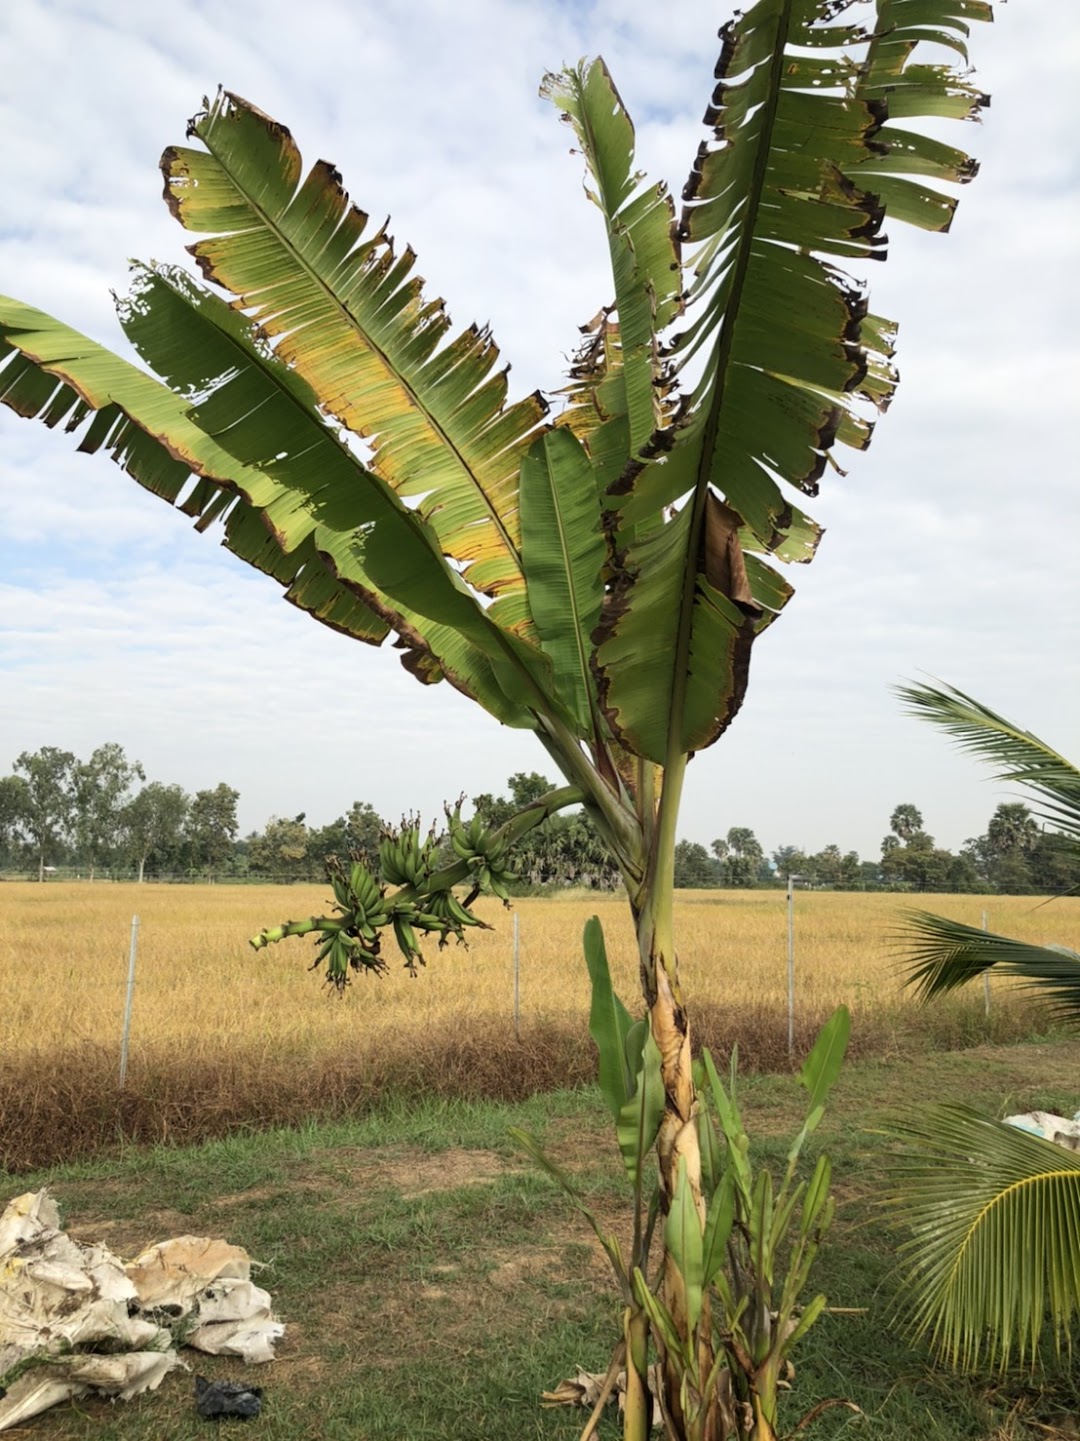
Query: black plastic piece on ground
217, 1399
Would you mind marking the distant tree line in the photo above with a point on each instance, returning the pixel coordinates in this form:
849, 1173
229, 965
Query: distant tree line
94, 818
100, 817
57, 810
1015, 856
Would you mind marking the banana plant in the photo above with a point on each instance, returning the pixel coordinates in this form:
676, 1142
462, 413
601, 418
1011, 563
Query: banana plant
993, 1212
743, 1273
596, 572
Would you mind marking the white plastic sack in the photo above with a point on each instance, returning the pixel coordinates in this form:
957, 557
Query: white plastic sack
1052, 1128
61, 1303
173, 1273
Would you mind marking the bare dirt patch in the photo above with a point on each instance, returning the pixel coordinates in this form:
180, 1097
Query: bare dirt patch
414, 1172
514, 1267
126, 1237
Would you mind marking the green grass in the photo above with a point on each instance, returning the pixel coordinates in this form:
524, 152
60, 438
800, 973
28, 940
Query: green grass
433, 1284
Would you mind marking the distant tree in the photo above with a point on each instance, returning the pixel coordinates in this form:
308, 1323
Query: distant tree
742, 866
1009, 843
211, 826
355, 834
1013, 830
48, 774
282, 849
154, 823
100, 793
1054, 864
962, 875
825, 867
918, 867
720, 848
909, 858
13, 807
975, 854
790, 861
850, 869
695, 869
869, 877
906, 821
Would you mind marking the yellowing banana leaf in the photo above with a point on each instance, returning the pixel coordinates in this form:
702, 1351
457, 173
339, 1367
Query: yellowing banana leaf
324, 511
349, 315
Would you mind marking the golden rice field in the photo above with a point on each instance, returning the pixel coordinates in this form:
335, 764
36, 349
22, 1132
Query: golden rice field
222, 1034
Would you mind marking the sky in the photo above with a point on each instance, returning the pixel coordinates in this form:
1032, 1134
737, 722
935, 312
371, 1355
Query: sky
950, 550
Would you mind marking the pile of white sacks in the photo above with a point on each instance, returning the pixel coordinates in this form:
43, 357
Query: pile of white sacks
75, 1319
1049, 1127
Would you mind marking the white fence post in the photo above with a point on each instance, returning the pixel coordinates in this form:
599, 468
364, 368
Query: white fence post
517, 974
791, 965
128, 1001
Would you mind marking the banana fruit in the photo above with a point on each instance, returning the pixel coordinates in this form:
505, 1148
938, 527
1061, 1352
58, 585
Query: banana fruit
351, 940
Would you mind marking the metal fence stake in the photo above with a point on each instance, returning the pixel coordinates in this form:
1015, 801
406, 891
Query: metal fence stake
128, 1001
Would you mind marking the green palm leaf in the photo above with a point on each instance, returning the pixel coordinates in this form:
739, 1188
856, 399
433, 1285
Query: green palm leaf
1015, 754
350, 317
942, 955
790, 360
995, 1248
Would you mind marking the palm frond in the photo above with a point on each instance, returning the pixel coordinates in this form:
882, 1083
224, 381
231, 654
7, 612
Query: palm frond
1016, 755
942, 955
994, 1215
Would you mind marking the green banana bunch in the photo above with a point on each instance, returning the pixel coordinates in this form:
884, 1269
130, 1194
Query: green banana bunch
351, 939
407, 942
405, 859
485, 852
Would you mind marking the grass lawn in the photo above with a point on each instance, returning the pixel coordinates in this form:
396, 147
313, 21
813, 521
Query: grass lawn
433, 1284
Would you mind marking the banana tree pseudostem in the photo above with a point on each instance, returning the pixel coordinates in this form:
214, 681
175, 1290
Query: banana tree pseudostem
597, 573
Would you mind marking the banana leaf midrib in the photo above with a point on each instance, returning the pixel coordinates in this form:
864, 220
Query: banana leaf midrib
722, 353
579, 643
402, 380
